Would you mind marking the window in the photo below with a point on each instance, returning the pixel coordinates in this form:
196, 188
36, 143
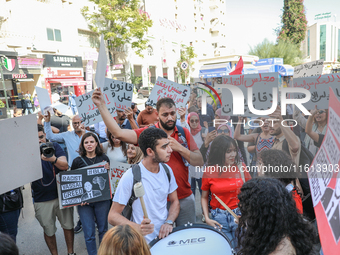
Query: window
323, 42
53, 34
150, 51
308, 43
338, 44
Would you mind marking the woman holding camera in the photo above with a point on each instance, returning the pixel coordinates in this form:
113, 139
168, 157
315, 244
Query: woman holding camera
91, 153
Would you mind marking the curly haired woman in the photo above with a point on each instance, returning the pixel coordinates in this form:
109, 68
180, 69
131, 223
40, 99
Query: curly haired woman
270, 223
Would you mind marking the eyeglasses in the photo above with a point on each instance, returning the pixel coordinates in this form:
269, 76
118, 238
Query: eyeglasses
165, 115
76, 123
225, 131
321, 111
194, 121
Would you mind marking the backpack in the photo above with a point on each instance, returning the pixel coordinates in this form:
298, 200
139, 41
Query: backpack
127, 212
306, 158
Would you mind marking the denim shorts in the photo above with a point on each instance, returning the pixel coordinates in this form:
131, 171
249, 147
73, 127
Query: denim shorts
228, 224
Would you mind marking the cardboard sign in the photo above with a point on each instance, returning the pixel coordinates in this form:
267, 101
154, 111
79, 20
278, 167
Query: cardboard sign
88, 111
165, 88
89, 184
120, 91
262, 89
318, 86
43, 97
101, 65
324, 180
19, 152
308, 69
117, 170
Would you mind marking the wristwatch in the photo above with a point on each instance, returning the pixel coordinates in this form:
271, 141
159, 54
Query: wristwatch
170, 222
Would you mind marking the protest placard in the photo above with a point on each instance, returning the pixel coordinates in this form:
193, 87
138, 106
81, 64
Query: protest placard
117, 170
101, 64
262, 92
88, 111
318, 86
19, 144
165, 88
308, 69
324, 180
89, 184
43, 97
120, 91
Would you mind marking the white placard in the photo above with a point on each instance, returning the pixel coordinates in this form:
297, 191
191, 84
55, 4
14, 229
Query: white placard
165, 88
88, 111
101, 64
117, 169
43, 97
19, 152
121, 92
308, 69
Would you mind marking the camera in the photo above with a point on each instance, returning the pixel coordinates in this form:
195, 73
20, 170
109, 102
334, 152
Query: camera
47, 149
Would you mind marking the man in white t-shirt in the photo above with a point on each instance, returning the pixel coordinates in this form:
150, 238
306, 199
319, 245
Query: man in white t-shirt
155, 145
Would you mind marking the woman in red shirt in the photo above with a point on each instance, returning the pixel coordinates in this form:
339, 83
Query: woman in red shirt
224, 176
269, 160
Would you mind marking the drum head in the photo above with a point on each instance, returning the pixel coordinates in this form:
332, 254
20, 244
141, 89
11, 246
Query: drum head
196, 239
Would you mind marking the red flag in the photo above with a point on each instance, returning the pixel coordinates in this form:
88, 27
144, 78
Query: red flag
238, 68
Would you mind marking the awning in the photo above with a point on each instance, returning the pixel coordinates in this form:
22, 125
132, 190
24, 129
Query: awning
217, 70
283, 70
69, 82
24, 80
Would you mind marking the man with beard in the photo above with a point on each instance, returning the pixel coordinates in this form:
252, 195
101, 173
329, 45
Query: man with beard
158, 184
125, 119
166, 111
147, 117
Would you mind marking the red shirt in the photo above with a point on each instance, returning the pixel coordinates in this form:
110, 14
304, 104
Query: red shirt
225, 185
180, 171
298, 201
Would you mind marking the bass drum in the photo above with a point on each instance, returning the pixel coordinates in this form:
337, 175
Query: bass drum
195, 239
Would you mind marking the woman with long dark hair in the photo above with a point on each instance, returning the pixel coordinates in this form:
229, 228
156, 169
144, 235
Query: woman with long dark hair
91, 153
269, 222
223, 177
114, 148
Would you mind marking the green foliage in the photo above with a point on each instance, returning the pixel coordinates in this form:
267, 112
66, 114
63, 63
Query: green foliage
135, 80
187, 54
121, 22
294, 22
2, 105
289, 51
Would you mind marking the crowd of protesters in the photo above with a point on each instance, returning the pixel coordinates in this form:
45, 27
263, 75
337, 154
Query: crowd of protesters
177, 158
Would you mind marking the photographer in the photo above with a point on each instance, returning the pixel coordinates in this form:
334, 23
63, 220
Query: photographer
45, 195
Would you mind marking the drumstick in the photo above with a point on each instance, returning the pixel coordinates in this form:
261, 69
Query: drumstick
139, 192
226, 207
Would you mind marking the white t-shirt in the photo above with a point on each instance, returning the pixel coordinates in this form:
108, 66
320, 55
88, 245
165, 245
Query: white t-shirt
156, 187
115, 154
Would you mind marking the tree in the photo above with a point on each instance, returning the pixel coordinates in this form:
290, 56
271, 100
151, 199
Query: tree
289, 51
187, 54
135, 80
121, 22
294, 22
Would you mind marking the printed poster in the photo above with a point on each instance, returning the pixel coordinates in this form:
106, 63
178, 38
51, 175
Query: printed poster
308, 69
121, 92
117, 170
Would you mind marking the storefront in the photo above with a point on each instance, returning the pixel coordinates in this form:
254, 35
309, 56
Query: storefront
63, 74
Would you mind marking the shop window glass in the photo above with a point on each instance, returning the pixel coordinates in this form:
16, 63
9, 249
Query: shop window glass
323, 42
50, 35
57, 34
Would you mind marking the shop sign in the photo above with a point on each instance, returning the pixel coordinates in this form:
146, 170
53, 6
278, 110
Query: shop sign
62, 61
9, 62
32, 63
55, 72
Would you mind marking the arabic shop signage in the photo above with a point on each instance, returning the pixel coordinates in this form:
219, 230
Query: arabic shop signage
324, 15
62, 61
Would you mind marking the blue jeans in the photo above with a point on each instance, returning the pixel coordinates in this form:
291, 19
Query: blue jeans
228, 223
193, 185
88, 214
74, 109
9, 223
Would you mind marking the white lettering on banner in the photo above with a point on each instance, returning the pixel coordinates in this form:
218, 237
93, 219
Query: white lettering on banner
64, 59
72, 193
71, 201
96, 171
72, 178
71, 186
122, 92
19, 76
165, 88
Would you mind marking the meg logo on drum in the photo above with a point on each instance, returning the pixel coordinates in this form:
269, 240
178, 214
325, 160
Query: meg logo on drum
187, 241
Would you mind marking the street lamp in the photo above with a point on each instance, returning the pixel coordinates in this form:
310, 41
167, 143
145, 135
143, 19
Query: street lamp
3, 81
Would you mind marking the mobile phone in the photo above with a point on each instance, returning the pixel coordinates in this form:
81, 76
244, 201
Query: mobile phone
210, 124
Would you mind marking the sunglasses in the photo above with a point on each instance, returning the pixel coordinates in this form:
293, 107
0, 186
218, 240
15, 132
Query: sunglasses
220, 131
193, 121
321, 111
41, 137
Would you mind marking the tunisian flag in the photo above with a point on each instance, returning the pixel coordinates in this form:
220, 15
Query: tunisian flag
238, 68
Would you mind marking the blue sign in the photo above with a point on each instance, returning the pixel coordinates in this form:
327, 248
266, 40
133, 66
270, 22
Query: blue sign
269, 61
